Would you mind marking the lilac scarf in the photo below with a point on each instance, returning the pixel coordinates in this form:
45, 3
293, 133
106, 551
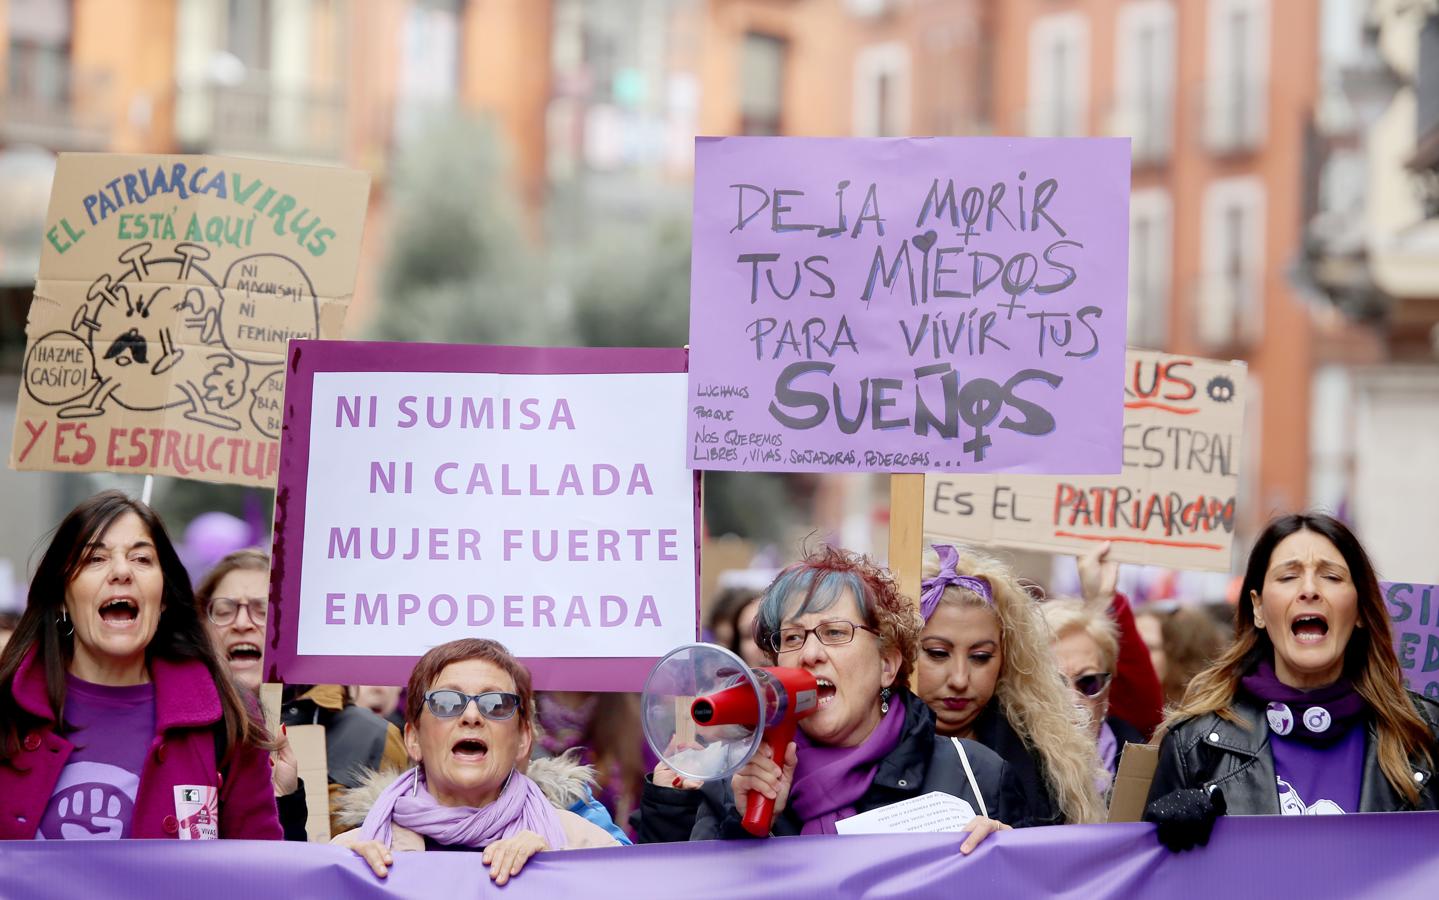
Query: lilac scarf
521, 806
828, 781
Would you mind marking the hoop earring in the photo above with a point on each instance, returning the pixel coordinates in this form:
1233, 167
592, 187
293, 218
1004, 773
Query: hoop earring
64, 620
884, 701
415, 784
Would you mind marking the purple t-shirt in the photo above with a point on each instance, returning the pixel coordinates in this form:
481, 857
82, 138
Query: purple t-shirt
113, 728
1317, 781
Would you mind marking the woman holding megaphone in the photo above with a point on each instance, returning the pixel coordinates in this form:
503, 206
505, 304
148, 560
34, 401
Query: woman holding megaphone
1306, 713
870, 743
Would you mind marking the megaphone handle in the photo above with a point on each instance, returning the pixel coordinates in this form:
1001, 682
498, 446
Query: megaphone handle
759, 814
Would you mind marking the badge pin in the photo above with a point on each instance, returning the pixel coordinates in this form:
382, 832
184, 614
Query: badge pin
1317, 719
1281, 720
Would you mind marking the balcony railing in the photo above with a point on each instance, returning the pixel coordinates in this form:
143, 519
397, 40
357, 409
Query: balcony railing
1228, 311
73, 114
1149, 124
260, 117
1233, 115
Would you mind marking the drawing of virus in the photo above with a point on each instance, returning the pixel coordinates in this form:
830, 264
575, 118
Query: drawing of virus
154, 331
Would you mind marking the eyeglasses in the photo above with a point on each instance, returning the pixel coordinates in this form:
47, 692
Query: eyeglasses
1091, 685
223, 610
493, 705
831, 634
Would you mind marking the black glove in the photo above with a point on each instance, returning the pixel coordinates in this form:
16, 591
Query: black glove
1185, 817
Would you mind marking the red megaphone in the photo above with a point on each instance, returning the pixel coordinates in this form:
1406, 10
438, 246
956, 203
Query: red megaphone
789, 695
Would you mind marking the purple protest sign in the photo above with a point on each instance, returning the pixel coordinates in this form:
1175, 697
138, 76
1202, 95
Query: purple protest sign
908, 304
429, 492
1414, 618
1388, 855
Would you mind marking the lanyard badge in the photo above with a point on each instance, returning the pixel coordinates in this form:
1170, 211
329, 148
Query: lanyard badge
197, 808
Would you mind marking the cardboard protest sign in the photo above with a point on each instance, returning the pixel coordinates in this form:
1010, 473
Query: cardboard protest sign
312, 761
908, 304
168, 287
1173, 505
432, 492
1414, 616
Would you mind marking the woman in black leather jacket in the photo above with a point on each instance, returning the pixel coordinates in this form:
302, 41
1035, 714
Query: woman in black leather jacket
1306, 713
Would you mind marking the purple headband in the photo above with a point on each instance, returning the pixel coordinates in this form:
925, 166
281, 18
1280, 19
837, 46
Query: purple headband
933, 588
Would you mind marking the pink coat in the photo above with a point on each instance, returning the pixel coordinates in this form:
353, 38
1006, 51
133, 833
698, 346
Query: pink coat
187, 706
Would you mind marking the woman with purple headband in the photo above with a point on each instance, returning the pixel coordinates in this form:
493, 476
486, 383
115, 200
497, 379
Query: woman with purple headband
987, 671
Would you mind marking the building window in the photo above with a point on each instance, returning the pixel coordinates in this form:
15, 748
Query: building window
881, 91
1237, 77
1059, 76
1150, 237
1144, 78
429, 67
1230, 307
247, 33
762, 58
38, 60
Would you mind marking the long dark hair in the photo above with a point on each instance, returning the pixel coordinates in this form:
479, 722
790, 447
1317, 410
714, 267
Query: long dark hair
1369, 659
178, 636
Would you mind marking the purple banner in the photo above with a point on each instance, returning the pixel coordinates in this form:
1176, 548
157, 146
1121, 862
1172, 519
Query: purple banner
1389, 855
429, 492
909, 304
1414, 616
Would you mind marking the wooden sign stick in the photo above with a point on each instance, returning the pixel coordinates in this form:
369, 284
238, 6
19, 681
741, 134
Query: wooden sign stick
906, 534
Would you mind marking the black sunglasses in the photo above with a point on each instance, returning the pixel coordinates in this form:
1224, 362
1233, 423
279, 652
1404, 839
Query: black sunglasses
495, 705
1091, 685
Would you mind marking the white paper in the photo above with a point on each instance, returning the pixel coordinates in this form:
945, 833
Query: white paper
932, 812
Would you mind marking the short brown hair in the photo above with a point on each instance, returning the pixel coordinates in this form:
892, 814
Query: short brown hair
434, 662
252, 559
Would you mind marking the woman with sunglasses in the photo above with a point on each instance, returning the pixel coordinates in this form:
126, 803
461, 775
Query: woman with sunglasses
468, 718
871, 743
117, 720
1086, 647
987, 672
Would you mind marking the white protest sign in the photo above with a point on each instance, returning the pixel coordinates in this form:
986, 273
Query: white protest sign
932, 812
551, 511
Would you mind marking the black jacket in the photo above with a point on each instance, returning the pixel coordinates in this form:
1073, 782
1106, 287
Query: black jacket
1211, 752
923, 762
992, 729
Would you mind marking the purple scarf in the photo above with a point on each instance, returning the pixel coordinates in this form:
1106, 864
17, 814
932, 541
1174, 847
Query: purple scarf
521, 806
1319, 717
828, 781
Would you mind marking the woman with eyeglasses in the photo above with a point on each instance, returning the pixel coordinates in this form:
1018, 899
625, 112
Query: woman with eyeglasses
117, 719
468, 715
987, 672
1086, 647
233, 600
871, 743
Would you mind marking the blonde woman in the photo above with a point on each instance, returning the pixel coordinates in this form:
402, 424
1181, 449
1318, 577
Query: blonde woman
986, 670
1086, 648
